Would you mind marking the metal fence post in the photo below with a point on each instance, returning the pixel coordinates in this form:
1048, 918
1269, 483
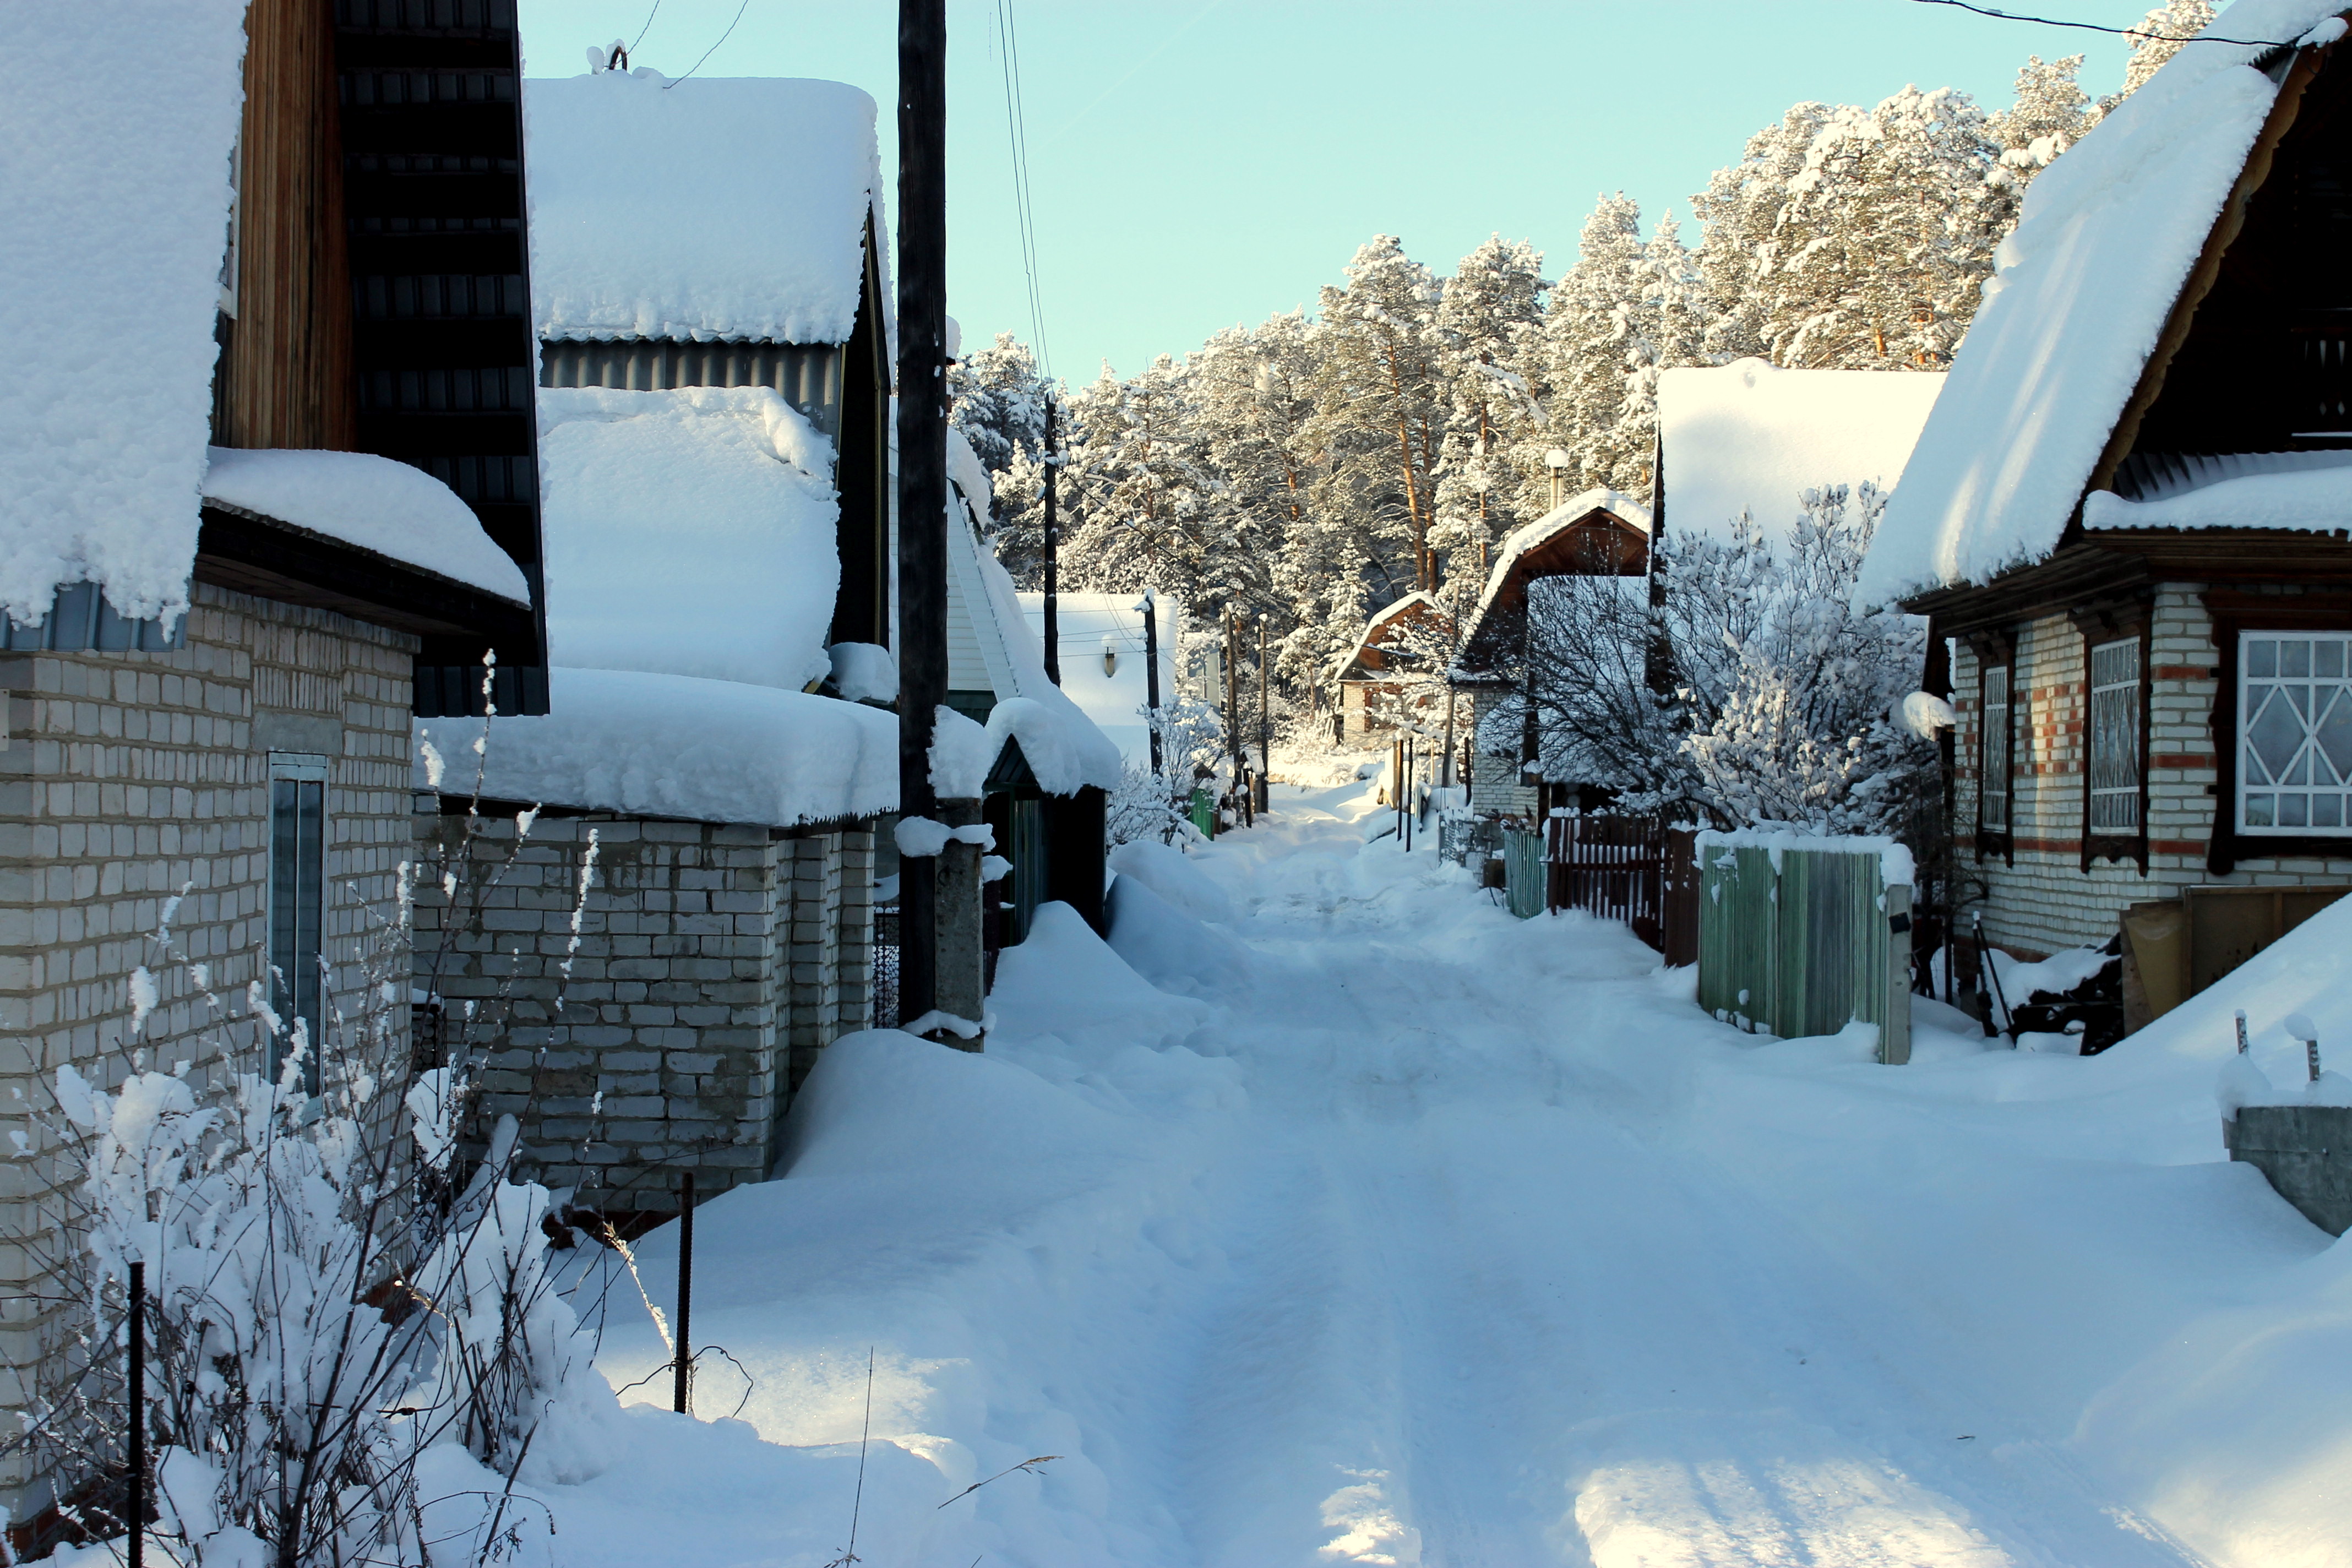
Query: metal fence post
682, 1392
136, 1447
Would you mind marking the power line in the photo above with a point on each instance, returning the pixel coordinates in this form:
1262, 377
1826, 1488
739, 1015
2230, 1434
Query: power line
1024, 210
2096, 27
709, 52
649, 22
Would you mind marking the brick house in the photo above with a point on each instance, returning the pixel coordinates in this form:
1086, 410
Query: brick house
714, 478
244, 540
2127, 517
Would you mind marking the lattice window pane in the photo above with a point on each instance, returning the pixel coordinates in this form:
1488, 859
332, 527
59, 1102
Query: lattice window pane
298, 885
1995, 785
2294, 733
2114, 737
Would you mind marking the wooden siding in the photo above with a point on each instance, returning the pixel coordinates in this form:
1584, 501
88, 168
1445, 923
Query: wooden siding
443, 347
285, 375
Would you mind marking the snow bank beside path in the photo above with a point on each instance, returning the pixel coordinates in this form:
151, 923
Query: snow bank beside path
1429, 1232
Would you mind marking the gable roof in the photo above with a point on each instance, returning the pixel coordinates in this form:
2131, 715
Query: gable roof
119, 120
1522, 558
626, 170
1750, 437
2087, 287
1419, 603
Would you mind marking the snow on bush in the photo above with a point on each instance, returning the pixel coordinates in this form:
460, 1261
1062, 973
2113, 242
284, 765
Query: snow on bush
1754, 691
323, 1316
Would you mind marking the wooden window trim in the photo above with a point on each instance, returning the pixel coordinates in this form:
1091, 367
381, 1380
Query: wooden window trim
1996, 650
2234, 613
2127, 621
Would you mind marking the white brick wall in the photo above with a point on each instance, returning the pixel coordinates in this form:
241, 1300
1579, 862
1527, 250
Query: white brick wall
125, 777
715, 963
2046, 901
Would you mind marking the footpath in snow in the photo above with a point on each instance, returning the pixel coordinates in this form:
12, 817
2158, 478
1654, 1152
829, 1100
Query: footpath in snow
1331, 1215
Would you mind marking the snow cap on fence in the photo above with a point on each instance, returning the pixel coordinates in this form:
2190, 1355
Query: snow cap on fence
1894, 865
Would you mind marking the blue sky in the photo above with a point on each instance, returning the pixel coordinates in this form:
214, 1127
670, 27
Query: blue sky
1194, 163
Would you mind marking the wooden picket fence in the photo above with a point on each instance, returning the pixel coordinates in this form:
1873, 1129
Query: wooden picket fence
1800, 941
1633, 868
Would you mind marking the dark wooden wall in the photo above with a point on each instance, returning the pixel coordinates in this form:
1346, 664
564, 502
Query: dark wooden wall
2267, 364
445, 357
286, 374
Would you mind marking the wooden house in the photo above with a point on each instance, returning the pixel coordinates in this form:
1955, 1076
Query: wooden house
1395, 673
270, 490
1052, 767
1600, 533
715, 380
2127, 517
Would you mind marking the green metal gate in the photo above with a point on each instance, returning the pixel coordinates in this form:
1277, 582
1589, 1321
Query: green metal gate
1525, 878
1803, 941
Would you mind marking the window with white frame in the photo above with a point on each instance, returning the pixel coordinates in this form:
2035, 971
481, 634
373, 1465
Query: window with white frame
2294, 733
297, 898
2114, 736
1993, 787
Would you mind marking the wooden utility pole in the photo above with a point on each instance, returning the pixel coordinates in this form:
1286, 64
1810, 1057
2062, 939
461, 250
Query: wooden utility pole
1151, 673
922, 473
1052, 566
1264, 727
1232, 692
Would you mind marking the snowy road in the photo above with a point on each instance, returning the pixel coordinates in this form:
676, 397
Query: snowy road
1417, 1234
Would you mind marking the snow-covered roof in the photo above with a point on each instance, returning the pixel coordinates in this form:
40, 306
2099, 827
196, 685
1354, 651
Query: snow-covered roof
1064, 748
1533, 535
702, 208
1381, 618
2085, 286
1751, 436
390, 508
1550, 525
2305, 491
119, 122
1086, 623
688, 532
670, 745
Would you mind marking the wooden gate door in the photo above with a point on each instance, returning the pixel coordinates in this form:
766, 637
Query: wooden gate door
1614, 867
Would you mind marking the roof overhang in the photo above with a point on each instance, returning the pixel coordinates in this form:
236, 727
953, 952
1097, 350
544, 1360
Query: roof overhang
249, 553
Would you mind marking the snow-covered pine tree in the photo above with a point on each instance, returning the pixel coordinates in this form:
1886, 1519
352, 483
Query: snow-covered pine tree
1380, 409
1743, 239
997, 399
2158, 37
1253, 398
1487, 312
1133, 489
2050, 115
1599, 327
1880, 242
1670, 328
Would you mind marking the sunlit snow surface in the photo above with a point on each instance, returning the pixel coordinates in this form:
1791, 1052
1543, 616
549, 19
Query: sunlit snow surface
1413, 1234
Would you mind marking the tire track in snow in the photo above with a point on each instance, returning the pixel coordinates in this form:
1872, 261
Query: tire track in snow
1487, 1312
